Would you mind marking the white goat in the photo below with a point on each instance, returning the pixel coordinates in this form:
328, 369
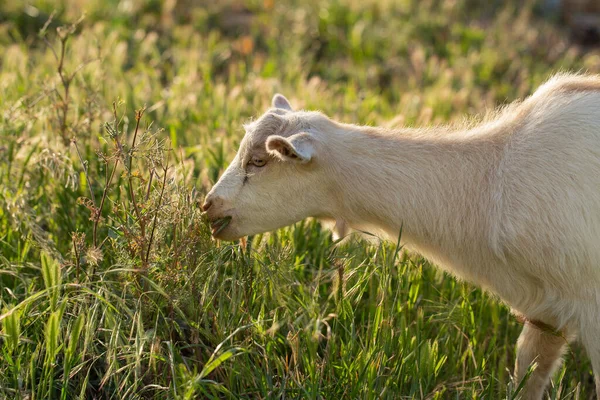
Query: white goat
512, 204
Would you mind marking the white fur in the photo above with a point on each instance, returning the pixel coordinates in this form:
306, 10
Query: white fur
511, 204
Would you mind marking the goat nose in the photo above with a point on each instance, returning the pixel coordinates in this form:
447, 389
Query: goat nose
207, 204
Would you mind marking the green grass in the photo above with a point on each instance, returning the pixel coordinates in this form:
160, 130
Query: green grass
110, 285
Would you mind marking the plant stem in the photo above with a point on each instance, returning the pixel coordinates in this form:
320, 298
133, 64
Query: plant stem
162, 191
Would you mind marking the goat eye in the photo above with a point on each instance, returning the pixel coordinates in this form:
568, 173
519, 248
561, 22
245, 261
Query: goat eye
258, 162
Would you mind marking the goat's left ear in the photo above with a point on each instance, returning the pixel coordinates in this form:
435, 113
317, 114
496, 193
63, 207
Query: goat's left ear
279, 101
298, 147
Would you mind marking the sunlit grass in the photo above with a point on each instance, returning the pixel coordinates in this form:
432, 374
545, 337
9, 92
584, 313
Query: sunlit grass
110, 286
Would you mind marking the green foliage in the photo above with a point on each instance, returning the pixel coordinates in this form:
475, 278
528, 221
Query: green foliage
113, 128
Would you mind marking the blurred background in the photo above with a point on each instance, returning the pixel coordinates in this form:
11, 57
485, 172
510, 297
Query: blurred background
201, 67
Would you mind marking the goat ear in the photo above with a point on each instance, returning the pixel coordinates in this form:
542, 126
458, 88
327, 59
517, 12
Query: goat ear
298, 147
279, 101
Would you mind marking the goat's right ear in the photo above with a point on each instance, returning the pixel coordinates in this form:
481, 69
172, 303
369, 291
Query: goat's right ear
298, 147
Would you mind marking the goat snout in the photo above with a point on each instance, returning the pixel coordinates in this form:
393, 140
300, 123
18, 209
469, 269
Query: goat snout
207, 204
213, 202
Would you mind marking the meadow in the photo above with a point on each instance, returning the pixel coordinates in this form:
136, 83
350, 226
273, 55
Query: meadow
116, 117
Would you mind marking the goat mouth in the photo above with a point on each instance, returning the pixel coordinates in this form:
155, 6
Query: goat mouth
218, 225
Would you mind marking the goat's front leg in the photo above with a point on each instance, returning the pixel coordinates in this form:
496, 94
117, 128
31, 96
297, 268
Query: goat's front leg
545, 349
590, 337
